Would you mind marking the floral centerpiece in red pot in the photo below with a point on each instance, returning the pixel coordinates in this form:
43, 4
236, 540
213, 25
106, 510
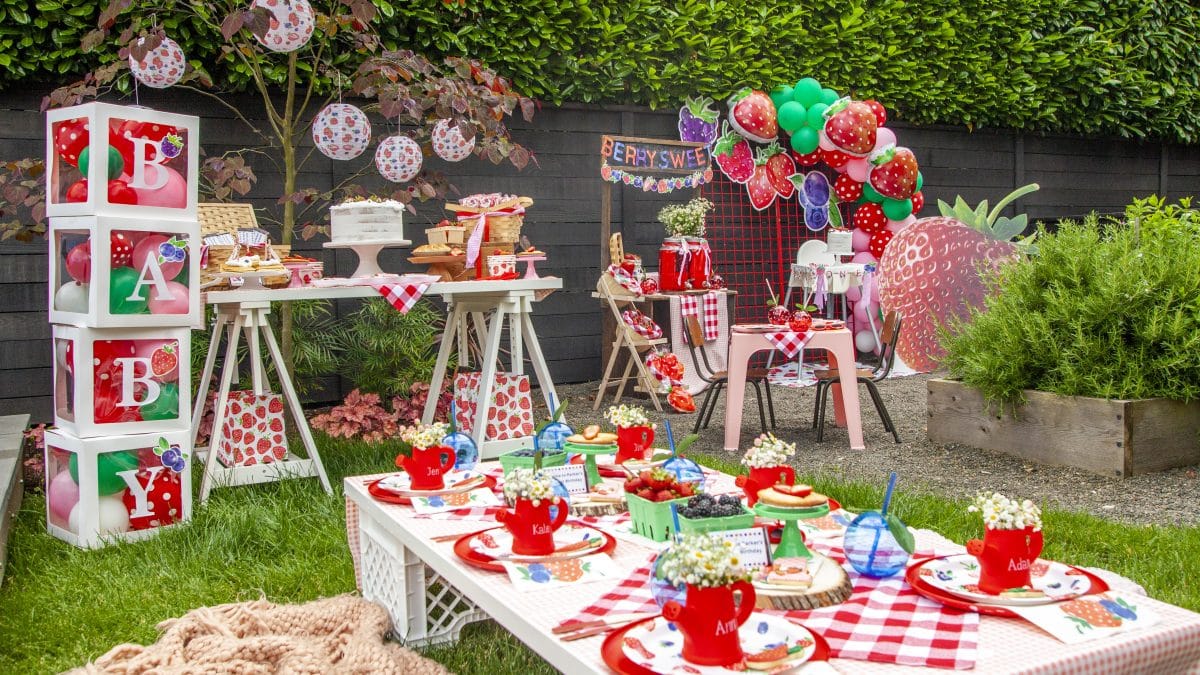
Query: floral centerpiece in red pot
767, 460
1012, 540
709, 615
635, 434
424, 457
531, 521
685, 260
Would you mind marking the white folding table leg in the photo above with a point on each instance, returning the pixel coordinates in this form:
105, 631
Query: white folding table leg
487, 376
228, 367
479, 321
537, 359
210, 360
453, 327
517, 358
256, 363
293, 399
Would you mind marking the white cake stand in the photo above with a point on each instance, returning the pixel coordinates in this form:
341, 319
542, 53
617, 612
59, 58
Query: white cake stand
368, 253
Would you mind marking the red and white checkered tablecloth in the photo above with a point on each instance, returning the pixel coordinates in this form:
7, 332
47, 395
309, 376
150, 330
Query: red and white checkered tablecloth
404, 292
689, 305
789, 342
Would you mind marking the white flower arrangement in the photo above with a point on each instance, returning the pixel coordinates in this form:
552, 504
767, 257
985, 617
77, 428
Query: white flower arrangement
627, 416
1001, 513
424, 435
686, 220
702, 560
768, 451
529, 484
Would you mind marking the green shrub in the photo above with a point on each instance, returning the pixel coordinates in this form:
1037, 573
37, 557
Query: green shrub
1107, 308
386, 351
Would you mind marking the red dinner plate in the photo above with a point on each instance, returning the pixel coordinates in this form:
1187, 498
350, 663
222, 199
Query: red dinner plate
463, 550
614, 653
913, 576
388, 497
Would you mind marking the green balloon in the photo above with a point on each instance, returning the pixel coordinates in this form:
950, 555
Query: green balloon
166, 406
121, 285
807, 92
108, 464
782, 93
792, 116
116, 163
828, 96
805, 140
816, 115
897, 209
920, 182
871, 194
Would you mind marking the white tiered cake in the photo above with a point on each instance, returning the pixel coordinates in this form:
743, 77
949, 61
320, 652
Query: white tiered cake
366, 221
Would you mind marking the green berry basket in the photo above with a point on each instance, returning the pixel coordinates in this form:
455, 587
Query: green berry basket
509, 461
703, 525
653, 519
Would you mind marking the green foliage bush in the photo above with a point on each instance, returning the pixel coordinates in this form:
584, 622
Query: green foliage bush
385, 351
1124, 67
1107, 308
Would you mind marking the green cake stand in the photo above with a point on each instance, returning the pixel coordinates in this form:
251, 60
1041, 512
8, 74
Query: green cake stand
791, 542
589, 453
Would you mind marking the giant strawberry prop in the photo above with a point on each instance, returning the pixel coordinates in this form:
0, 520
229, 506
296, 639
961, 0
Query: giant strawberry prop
851, 127
734, 156
929, 272
752, 115
894, 172
698, 121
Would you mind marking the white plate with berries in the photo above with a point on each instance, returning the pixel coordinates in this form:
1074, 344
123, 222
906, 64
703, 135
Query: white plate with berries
1051, 581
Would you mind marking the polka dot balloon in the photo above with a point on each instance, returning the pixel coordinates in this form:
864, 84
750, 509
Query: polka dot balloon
398, 158
161, 67
448, 142
341, 131
292, 23
164, 500
70, 138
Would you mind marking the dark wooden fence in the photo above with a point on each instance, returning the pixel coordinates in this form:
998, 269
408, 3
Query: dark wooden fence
1078, 175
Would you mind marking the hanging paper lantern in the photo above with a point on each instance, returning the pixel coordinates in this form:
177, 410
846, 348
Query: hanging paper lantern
341, 131
448, 142
161, 67
292, 24
398, 158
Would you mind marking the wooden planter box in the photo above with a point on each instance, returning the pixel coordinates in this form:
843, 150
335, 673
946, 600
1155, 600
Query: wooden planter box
1106, 436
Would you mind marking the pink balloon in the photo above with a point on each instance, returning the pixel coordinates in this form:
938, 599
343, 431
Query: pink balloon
860, 314
178, 303
173, 194
149, 246
853, 294
79, 262
860, 239
858, 169
824, 143
135, 237
884, 137
146, 349
901, 224
864, 257
63, 495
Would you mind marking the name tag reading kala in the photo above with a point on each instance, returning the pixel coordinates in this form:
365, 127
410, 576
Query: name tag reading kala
573, 476
753, 545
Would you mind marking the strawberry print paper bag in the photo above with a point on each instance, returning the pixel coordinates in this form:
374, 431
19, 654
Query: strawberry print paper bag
253, 430
511, 412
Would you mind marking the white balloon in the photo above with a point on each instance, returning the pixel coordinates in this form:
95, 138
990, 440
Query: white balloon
113, 516
864, 341
72, 297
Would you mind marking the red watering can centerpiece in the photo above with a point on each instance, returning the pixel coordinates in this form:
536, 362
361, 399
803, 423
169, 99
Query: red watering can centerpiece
767, 460
531, 522
635, 435
761, 478
427, 466
1011, 542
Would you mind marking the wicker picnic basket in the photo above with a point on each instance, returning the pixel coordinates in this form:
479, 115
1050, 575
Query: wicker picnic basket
229, 218
500, 228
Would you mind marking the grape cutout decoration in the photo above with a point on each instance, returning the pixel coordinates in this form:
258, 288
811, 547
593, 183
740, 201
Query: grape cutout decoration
466, 453
878, 544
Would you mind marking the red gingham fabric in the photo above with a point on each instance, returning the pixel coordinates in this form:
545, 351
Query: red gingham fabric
642, 324
402, 296
789, 342
689, 305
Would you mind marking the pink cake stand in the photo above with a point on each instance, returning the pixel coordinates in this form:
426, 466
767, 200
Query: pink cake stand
530, 270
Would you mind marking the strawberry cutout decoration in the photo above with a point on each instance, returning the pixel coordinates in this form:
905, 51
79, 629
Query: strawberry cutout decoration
894, 172
780, 168
698, 121
760, 189
752, 114
851, 127
870, 217
847, 189
734, 156
164, 361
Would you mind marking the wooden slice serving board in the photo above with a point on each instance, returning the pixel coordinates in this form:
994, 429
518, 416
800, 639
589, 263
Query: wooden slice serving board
830, 586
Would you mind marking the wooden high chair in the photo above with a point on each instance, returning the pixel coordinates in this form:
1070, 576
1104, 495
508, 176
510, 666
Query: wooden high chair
618, 299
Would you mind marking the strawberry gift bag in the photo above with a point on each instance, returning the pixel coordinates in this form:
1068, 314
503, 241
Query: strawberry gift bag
253, 430
511, 411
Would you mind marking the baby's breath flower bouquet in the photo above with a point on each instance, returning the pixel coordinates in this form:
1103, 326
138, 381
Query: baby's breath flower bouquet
701, 560
768, 451
627, 416
424, 435
529, 484
1001, 513
686, 220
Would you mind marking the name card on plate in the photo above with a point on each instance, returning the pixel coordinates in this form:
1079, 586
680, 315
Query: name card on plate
753, 545
573, 476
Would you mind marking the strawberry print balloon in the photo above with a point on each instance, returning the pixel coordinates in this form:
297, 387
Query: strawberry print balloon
164, 499
851, 127
398, 158
70, 138
292, 24
894, 172
752, 114
448, 142
162, 66
341, 131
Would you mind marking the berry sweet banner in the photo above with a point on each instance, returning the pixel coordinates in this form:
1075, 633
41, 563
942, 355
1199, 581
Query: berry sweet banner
655, 165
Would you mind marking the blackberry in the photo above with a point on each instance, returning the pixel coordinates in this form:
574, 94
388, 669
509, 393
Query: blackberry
730, 500
701, 511
695, 501
706, 499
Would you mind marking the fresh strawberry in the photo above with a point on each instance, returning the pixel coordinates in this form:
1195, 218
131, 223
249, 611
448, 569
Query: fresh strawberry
930, 271
870, 217
687, 489
1094, 614
645, 476
759, 187
894, 172
752, 115
698, 121
664, 496
878, 110
847, 189
777, 653
646, 493
779, 168
800, 490
164, 360
851, 127
808, 159
660, 479
734, 156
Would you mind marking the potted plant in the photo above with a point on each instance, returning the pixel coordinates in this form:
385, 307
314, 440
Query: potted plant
635, 434
1012, 540
423, 456
684, 261
767, 459
710, 570
532, 521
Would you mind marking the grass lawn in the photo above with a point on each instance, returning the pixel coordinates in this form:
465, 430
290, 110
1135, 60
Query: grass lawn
60, 606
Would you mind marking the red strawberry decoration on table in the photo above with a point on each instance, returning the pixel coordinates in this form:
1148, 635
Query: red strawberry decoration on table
930, 271
847, 189
800, 321
760, 188
734, 156
894, 172
851, 127
779, 168
870, 217
752, 115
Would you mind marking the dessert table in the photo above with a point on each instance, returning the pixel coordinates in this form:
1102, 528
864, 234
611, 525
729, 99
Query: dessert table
430, 595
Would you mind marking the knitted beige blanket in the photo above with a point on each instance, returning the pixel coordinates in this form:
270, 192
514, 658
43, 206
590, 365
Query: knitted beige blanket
343, 634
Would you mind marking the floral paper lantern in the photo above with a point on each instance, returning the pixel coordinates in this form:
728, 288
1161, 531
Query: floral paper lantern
341, 131
161, 67
448, 142
398, 158
292, 24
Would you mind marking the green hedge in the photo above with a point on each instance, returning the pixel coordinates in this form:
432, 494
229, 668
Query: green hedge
1124, 67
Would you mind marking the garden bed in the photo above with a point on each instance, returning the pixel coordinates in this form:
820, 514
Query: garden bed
1112, 437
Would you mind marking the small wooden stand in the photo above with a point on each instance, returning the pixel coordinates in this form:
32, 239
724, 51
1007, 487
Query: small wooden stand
448, 267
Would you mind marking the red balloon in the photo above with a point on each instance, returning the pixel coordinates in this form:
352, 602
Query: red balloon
70, 138
880, 112
879, 241
104, 356
870, 217
105, 406
120, 249
164, 498
119, 192
79, 262
809, 159
847, 189
78, 191
918, 200
835, 158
